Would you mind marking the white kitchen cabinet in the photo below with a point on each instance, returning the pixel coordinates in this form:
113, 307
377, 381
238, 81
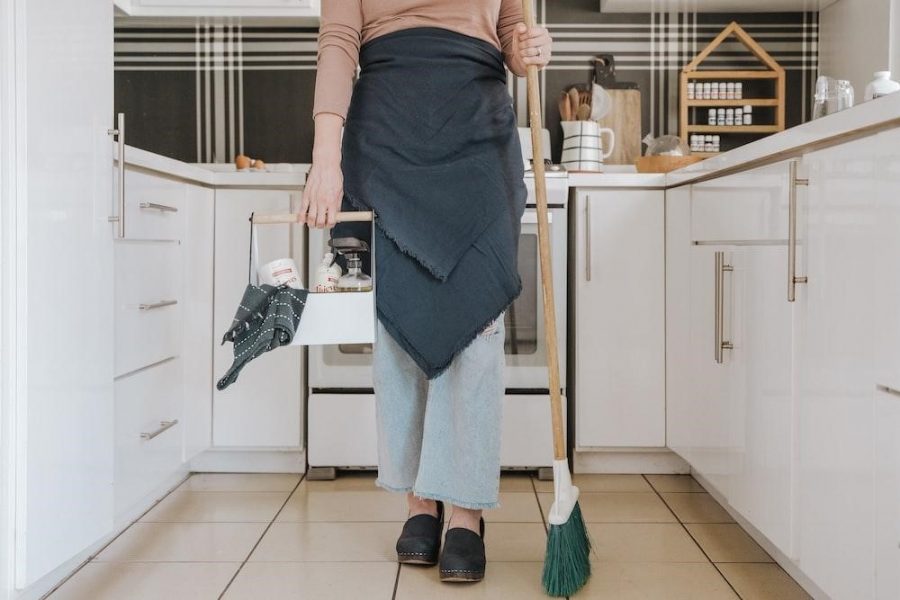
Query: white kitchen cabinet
887, 493
619, 313
264, 407
198, 338
761, 393
305, 9
63, 340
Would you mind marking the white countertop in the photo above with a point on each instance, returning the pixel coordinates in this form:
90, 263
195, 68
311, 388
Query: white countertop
861, 120
216, 174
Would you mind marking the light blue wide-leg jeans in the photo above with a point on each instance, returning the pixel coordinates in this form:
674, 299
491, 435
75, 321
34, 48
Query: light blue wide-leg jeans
440, 439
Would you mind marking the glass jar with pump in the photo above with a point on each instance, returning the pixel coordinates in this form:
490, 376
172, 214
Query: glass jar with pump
354, 280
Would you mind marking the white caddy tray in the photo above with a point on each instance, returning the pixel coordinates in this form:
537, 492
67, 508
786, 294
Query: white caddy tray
334, 317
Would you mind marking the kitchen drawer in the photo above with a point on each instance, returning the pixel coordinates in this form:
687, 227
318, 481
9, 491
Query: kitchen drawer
154, 206
148, 286
147, 403
749, 206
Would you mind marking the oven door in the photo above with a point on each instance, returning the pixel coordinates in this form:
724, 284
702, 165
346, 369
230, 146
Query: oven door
526, 351
349, 366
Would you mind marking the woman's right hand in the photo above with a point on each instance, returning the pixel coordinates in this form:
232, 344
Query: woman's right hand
323, 194
325, 182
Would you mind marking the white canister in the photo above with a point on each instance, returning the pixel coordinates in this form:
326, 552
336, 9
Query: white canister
882, 85
282, 271
583, 147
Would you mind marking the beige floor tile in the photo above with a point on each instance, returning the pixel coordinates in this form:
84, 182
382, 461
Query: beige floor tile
147, 581
240, 482
184, 542
514, 580
696, 508
516, 482
761, 581
216, 507
349, 481
515, 507
307, 504
618, 507
515, 542
675, 483
340, 580
591, 482
727, 542
328, 542
646, 581
643, 542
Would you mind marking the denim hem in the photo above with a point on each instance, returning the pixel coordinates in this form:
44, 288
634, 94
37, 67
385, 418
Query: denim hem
391, 488
456, 502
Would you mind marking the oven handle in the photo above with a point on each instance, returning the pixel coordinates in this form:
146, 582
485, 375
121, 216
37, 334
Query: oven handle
530, 217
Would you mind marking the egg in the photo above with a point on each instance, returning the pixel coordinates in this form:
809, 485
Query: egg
242, 162
259, 165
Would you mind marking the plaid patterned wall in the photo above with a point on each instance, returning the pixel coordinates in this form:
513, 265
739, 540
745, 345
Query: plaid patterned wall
207, 92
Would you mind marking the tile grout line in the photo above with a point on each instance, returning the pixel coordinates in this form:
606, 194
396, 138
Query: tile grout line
693, 539
397, 581
265, 531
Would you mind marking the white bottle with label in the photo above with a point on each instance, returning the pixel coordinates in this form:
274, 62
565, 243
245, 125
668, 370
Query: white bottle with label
882, 85
328, 274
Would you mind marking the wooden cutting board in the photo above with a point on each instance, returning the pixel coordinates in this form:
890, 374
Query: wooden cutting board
625, 120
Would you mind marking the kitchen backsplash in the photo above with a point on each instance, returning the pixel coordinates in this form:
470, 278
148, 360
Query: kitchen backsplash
205, 93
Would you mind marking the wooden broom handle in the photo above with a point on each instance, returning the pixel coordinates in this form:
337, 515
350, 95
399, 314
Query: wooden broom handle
341, 217
540, 188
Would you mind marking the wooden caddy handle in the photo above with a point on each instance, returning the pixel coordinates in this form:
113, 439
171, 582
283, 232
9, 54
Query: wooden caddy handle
342, 217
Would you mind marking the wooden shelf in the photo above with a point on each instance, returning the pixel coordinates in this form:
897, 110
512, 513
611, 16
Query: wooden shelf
692, 71
705, 154
733, 128
732, 75
742, 102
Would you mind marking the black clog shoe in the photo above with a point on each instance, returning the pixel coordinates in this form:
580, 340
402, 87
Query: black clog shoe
463, 557
420, 541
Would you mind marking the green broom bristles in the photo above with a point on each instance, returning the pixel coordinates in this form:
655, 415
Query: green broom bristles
567, 564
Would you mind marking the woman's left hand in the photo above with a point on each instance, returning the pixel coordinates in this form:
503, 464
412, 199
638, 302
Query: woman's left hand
532, 46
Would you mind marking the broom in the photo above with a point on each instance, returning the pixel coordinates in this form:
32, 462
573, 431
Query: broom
567, 562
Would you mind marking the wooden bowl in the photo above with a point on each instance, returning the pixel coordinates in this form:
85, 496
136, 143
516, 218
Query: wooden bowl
664, 164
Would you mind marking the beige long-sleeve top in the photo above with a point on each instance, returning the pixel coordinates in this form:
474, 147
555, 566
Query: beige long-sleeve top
347, 24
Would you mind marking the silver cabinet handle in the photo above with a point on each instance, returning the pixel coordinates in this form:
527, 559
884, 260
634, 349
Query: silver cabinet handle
160, 304
119, 219
163, 426
587, 238
793, 279
888, 390
159, 207
721, 343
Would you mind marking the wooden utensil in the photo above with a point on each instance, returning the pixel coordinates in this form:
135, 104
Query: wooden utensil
565, 111
574, 101
584, 112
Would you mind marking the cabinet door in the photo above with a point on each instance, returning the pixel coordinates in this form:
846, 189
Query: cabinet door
681, 415
712, 293
619, 322
887, 494
263, 408
834, 356
762, 406
64, 411
198, 319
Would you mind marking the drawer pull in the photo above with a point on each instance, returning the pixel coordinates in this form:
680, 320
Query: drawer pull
793, 278
163, 426
888, 390
155, 305
721, 344
159, 207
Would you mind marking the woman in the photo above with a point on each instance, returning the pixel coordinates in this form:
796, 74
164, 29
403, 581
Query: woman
430, 143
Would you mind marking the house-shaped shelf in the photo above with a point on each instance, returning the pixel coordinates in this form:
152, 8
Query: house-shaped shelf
693, 73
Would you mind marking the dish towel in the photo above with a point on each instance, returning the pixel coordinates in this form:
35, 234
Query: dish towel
266, 319
431, 145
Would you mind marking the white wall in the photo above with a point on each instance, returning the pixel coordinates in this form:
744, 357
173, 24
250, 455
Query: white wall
895, 38
855, 40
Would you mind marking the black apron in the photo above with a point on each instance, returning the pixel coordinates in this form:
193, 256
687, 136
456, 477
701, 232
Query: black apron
431, 145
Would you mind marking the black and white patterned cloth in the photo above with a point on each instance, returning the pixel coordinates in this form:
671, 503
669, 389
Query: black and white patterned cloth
267, 318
